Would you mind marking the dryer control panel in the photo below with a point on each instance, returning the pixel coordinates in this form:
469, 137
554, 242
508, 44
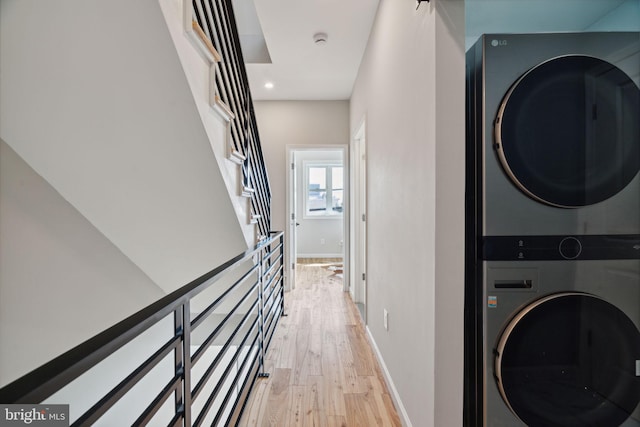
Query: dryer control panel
561, 248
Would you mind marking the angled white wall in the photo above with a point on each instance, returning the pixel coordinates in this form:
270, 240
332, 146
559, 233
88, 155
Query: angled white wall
61, 280
95, 99
410, 91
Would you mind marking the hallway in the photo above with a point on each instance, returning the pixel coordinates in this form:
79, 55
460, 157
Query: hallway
322, 369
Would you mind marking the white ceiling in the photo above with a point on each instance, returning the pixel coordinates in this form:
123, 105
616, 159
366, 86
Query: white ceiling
278, 46
301, 70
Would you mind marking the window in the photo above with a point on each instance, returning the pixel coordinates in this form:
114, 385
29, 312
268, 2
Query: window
324, 190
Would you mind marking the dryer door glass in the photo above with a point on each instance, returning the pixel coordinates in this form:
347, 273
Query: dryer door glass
568, 131
570, 360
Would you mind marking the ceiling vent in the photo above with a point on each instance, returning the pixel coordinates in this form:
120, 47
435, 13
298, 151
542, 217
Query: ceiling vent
320, 38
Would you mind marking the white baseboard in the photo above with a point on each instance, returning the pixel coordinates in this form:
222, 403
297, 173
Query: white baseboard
402, 412
338, 255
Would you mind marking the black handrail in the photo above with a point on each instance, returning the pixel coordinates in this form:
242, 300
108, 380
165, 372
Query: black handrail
267, 264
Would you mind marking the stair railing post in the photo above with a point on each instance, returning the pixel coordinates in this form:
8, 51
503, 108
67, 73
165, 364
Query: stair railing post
282, 261
186, 348
182, 323
261, 371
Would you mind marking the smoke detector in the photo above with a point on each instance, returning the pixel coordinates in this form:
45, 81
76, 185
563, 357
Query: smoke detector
320, 38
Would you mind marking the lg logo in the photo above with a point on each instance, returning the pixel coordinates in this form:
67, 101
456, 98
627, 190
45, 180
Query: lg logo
496, 43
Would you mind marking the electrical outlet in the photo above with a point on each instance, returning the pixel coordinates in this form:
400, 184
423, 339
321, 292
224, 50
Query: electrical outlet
386, 319
322, 241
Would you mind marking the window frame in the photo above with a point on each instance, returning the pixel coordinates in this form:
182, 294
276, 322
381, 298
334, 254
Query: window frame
328, 213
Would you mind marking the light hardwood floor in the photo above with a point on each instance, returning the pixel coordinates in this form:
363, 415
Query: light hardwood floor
322, 369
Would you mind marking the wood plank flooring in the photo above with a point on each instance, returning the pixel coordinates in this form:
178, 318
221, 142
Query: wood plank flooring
322, 370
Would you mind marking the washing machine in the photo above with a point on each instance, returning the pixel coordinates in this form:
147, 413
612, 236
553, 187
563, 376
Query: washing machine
562, 344
553, 228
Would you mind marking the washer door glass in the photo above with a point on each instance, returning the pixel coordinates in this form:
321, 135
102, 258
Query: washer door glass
570, 360
568, 131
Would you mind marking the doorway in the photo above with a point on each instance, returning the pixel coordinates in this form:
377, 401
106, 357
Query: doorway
317, 209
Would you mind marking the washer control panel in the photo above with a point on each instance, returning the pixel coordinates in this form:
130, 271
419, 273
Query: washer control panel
549, 248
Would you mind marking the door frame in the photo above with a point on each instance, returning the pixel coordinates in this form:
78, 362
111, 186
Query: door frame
359, 219
290, 254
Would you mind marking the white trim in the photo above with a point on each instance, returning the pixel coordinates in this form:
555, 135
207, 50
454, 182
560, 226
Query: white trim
247, 191
290, 232
209, 53
223, 110
217, 103
322, 217
235, 156
402, 412
187, 15
203, 45
357, 204
323, 255
327, 164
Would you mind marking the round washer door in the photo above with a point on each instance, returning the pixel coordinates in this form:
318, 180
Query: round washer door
568, 131
570, 360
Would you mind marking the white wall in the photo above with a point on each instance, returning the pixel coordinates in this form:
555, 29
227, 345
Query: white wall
410, 88
449, 64
545, 16
624, 18
61, 280
283, 123
95, 99
312, 232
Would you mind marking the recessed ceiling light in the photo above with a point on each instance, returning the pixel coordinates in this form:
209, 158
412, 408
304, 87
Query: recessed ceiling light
268, 85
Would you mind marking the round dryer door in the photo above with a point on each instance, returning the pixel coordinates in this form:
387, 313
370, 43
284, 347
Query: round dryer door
568, 131
570, 360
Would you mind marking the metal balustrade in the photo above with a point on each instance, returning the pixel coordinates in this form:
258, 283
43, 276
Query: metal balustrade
166, 364
217, 20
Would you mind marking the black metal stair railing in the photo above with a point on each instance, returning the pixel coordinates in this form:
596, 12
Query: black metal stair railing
217, 20
197, 368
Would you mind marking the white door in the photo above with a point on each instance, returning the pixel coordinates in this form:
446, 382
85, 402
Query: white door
293, 219
362, 209
358, 221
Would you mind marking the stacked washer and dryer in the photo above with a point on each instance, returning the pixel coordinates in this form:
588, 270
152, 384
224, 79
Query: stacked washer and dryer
554, 207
